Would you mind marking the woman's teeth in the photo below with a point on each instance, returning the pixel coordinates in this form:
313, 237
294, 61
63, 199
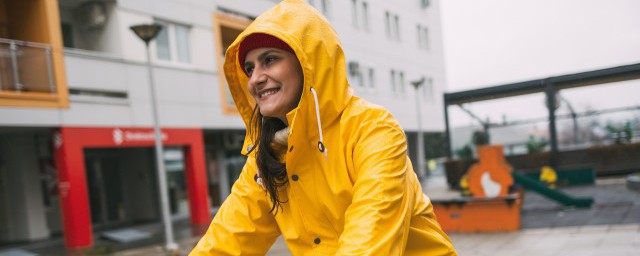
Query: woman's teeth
268, 92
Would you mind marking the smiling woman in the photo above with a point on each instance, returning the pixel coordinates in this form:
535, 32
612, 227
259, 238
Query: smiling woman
327, 170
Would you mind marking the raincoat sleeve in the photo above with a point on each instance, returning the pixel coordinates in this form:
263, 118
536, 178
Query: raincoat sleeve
378, 219
243, 224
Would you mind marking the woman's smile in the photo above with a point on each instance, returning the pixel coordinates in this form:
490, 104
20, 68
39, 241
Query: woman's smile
268, 92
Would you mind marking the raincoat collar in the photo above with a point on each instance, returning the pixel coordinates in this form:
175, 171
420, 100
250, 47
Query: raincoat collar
320, 54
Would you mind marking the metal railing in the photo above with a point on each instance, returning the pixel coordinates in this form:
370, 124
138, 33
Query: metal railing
26, 67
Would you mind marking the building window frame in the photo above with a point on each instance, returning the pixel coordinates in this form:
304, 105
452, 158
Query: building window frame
397, 28
423, 37
371, 76
401, 83
425, 4
392, 79
365, 16
178, 40
355, 18
428, 89
225, 21
392, 25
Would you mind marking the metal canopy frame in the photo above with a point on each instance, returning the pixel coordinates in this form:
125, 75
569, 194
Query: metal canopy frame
549, 86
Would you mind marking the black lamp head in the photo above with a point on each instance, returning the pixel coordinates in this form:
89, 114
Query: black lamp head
146, 32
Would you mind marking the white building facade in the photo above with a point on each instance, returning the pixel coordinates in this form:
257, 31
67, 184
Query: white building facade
102, 89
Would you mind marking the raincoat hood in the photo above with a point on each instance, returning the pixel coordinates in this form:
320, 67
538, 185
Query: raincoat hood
317, 47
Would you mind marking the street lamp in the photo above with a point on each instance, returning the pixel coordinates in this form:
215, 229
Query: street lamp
417, 84
148, 32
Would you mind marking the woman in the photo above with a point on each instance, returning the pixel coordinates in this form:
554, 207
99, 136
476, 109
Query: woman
326, 170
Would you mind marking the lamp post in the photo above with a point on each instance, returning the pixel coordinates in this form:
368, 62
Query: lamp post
417, 84
148, 32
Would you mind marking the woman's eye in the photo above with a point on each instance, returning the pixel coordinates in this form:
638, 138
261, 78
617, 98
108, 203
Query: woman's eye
270, 59
248, 70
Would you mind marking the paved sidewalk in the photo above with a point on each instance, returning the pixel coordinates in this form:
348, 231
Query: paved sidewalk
599, 240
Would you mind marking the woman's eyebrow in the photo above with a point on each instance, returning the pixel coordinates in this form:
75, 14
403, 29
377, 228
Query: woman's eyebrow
263, 55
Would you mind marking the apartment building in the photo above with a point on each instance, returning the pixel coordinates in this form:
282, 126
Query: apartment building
76, 137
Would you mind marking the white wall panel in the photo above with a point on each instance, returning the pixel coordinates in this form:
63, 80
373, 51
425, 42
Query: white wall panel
91, 114
172, 10
141, 114
138, 83
203, 48
29, 117
176, 86
94, 73
180, 115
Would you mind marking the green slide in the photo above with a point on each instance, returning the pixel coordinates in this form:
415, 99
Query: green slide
556, 195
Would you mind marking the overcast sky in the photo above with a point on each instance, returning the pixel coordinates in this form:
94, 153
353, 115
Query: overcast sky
493, 42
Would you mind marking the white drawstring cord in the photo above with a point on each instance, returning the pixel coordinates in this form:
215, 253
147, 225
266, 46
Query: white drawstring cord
321, 146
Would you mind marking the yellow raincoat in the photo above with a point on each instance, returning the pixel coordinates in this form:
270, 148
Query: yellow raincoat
358, 195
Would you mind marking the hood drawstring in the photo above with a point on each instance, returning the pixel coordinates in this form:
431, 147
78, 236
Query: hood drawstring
321, 147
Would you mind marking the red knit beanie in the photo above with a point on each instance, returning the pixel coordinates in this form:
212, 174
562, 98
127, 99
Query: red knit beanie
260, 40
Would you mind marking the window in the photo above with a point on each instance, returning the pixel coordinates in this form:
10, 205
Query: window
365, 15
427, 89
387, 23
393, 81
172, 43
362, 77
360, 12
419, 33
392, 25
425, 3
397, 83
423, 37
325, 7
372, 78
397, 27
401, 82
354, 12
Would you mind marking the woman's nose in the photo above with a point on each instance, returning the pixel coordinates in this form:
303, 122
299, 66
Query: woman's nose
257, 77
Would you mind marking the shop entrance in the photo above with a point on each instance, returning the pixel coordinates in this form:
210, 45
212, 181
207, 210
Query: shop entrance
121, 184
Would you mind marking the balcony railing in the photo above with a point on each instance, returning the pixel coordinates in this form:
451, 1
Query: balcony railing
26, 67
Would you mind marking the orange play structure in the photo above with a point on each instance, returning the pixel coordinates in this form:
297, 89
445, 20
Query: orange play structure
491, 207
491, 176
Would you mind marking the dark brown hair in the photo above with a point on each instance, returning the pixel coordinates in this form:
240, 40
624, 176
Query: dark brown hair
272, 171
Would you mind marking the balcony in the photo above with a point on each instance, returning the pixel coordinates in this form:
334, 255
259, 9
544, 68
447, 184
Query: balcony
32, 72
26, 67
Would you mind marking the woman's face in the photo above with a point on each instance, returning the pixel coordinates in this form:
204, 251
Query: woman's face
275, 80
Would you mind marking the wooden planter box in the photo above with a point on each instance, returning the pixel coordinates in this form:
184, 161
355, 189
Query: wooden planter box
468, 215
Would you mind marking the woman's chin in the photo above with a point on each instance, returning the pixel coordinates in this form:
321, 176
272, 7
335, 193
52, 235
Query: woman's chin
267, 113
